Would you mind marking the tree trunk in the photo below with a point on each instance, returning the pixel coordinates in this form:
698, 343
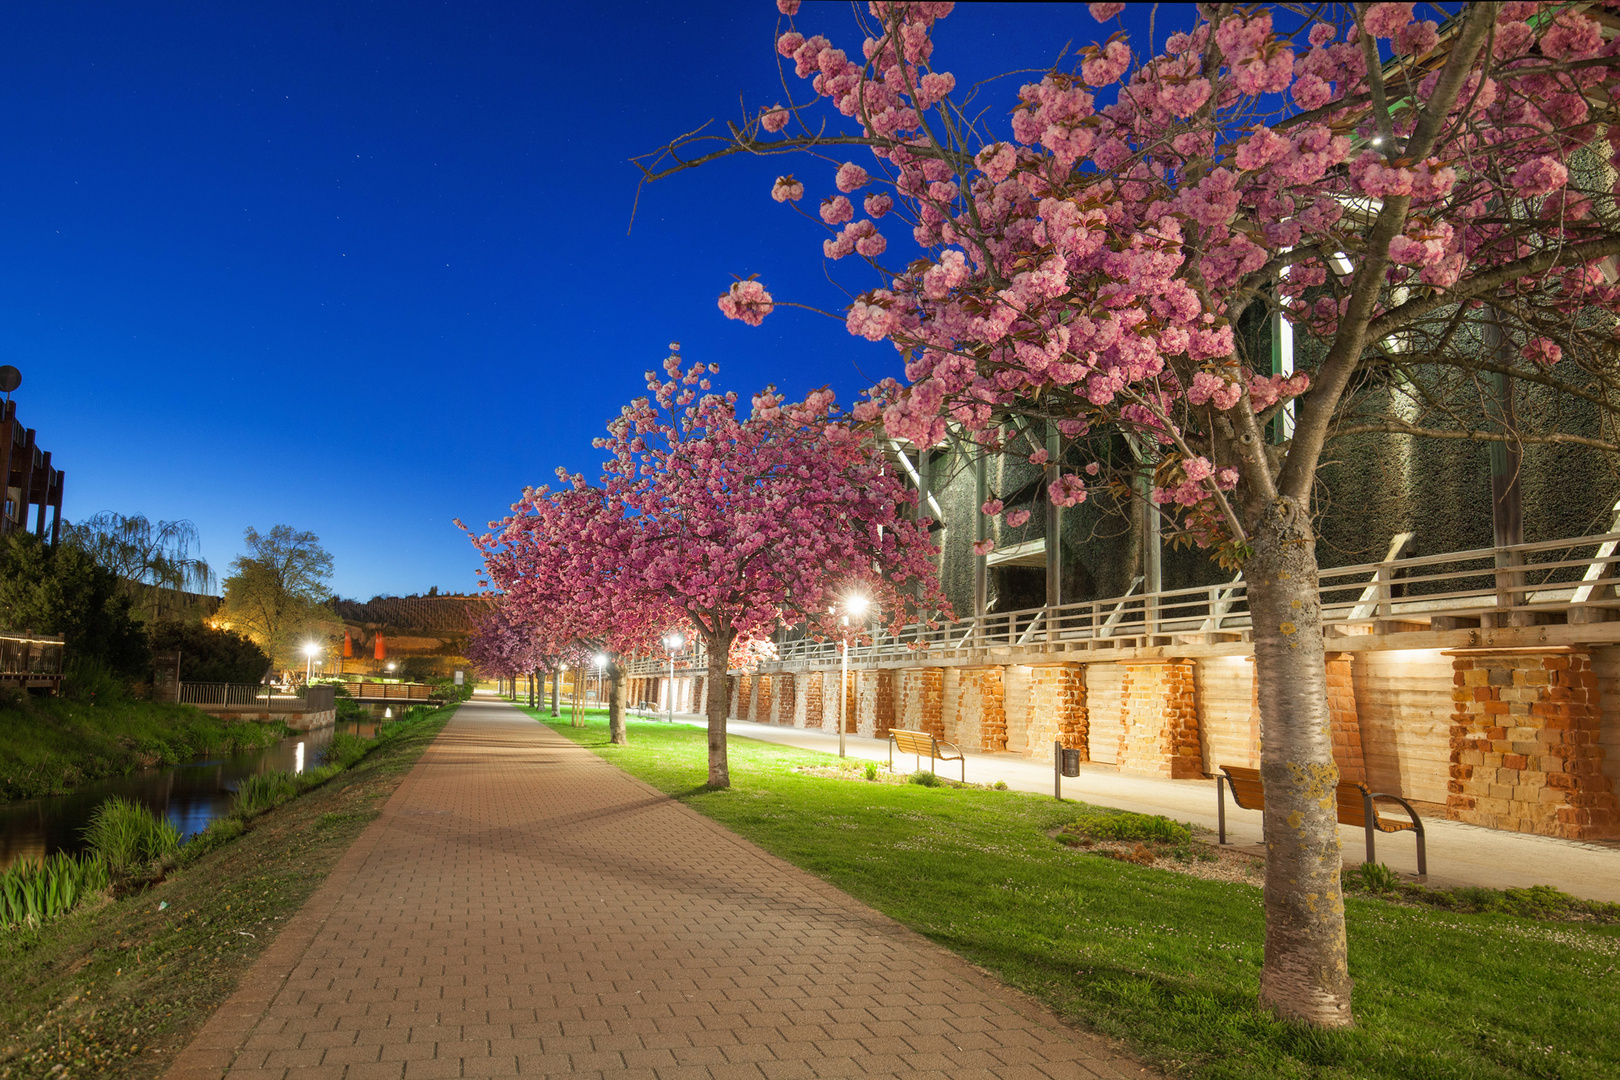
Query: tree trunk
556, 679
719, 708
577, 719
1306, 975
618, 735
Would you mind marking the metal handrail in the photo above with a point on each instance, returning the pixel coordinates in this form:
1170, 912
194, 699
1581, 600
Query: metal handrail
1346, 593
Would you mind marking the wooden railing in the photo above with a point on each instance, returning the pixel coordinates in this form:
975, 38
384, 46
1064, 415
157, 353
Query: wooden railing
1568, 581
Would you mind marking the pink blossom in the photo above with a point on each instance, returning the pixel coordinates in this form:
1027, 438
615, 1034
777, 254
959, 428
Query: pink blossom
1416, 39
983, 547
788, 7
934, 86
1104, 66
1040, 457
997, 160
836, 209
1384, 20
1542, 351
879, 204
789, 43
787, 189
1322, 33
747, 301
1104, 12
1539, 176
1017, 519
774, 119
991, 507
1067, 490
850, 177
873, 316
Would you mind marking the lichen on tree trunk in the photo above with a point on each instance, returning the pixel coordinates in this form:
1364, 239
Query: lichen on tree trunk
718, 708
618, 735
1306, 975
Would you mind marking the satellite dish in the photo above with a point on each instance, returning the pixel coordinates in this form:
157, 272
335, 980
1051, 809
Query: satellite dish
10, 378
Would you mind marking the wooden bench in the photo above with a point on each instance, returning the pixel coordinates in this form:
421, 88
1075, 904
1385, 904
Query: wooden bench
1357, 807
920, 743
647, 711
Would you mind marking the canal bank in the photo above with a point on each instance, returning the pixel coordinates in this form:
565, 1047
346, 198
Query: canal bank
118, 989
53, 745
192, 794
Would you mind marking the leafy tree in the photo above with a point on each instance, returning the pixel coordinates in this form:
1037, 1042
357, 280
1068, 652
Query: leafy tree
155, 562
63, 591
277, 593
1434, 205
209, 654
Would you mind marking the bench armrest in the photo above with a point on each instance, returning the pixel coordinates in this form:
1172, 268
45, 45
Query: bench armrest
1417, 822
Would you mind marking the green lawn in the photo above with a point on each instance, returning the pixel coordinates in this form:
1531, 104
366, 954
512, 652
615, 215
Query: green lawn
1164, 961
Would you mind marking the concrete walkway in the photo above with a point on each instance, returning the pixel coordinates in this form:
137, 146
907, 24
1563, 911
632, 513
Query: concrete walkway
521, 907
1458, 854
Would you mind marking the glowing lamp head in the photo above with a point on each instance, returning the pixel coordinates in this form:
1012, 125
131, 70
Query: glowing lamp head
311, 649
856, 605
601, 660
674, 641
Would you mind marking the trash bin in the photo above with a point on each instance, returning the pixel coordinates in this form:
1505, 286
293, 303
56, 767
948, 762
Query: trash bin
1071, 762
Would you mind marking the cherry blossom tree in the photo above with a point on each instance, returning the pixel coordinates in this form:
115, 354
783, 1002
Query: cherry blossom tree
1434, 205
555, 559
719, 526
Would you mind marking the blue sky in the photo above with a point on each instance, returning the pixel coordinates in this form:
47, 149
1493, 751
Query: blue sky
361, 268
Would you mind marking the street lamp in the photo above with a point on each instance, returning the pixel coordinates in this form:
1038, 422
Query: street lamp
673, 643
601, 665
309, 660
853, 605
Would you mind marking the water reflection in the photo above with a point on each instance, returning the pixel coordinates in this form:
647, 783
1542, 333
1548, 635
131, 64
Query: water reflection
191, 795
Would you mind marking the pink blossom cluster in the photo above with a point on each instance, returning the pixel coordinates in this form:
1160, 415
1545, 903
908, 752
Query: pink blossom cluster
1101, 254
748, 301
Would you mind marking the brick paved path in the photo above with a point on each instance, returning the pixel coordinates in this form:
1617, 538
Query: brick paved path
523, 908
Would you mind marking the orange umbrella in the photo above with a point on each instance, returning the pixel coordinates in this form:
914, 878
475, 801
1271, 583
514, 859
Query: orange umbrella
348, 646
382, 652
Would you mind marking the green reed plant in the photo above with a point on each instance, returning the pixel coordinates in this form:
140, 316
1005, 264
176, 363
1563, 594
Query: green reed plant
32, 891
126, 834
262, 791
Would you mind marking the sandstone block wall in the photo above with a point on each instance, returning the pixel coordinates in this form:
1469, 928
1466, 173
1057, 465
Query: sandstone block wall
981, 718
1341, 694
1525, 729
922, 700
1159, 721
785, 696
1015, 688
1057, 710
762, 699
1404, 706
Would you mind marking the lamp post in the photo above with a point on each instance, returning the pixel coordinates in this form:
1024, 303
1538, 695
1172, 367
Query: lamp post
672, 643
856, 606
309, 660
601, 665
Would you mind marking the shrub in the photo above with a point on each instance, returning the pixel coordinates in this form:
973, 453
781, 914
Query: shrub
1374, 877
925, 778
1000, 785
127, 835
1126, 826
871, 770
31, 892
263, 791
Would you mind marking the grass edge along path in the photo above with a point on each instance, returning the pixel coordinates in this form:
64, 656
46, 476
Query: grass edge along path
1166, 962
121, 988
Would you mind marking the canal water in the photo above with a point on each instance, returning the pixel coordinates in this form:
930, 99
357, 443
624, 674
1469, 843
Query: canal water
190, 795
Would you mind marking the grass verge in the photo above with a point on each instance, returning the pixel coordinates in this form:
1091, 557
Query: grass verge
1167, 962
51, 745
120, 989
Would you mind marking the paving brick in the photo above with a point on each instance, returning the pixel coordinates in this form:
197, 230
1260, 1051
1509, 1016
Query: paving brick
522, 908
